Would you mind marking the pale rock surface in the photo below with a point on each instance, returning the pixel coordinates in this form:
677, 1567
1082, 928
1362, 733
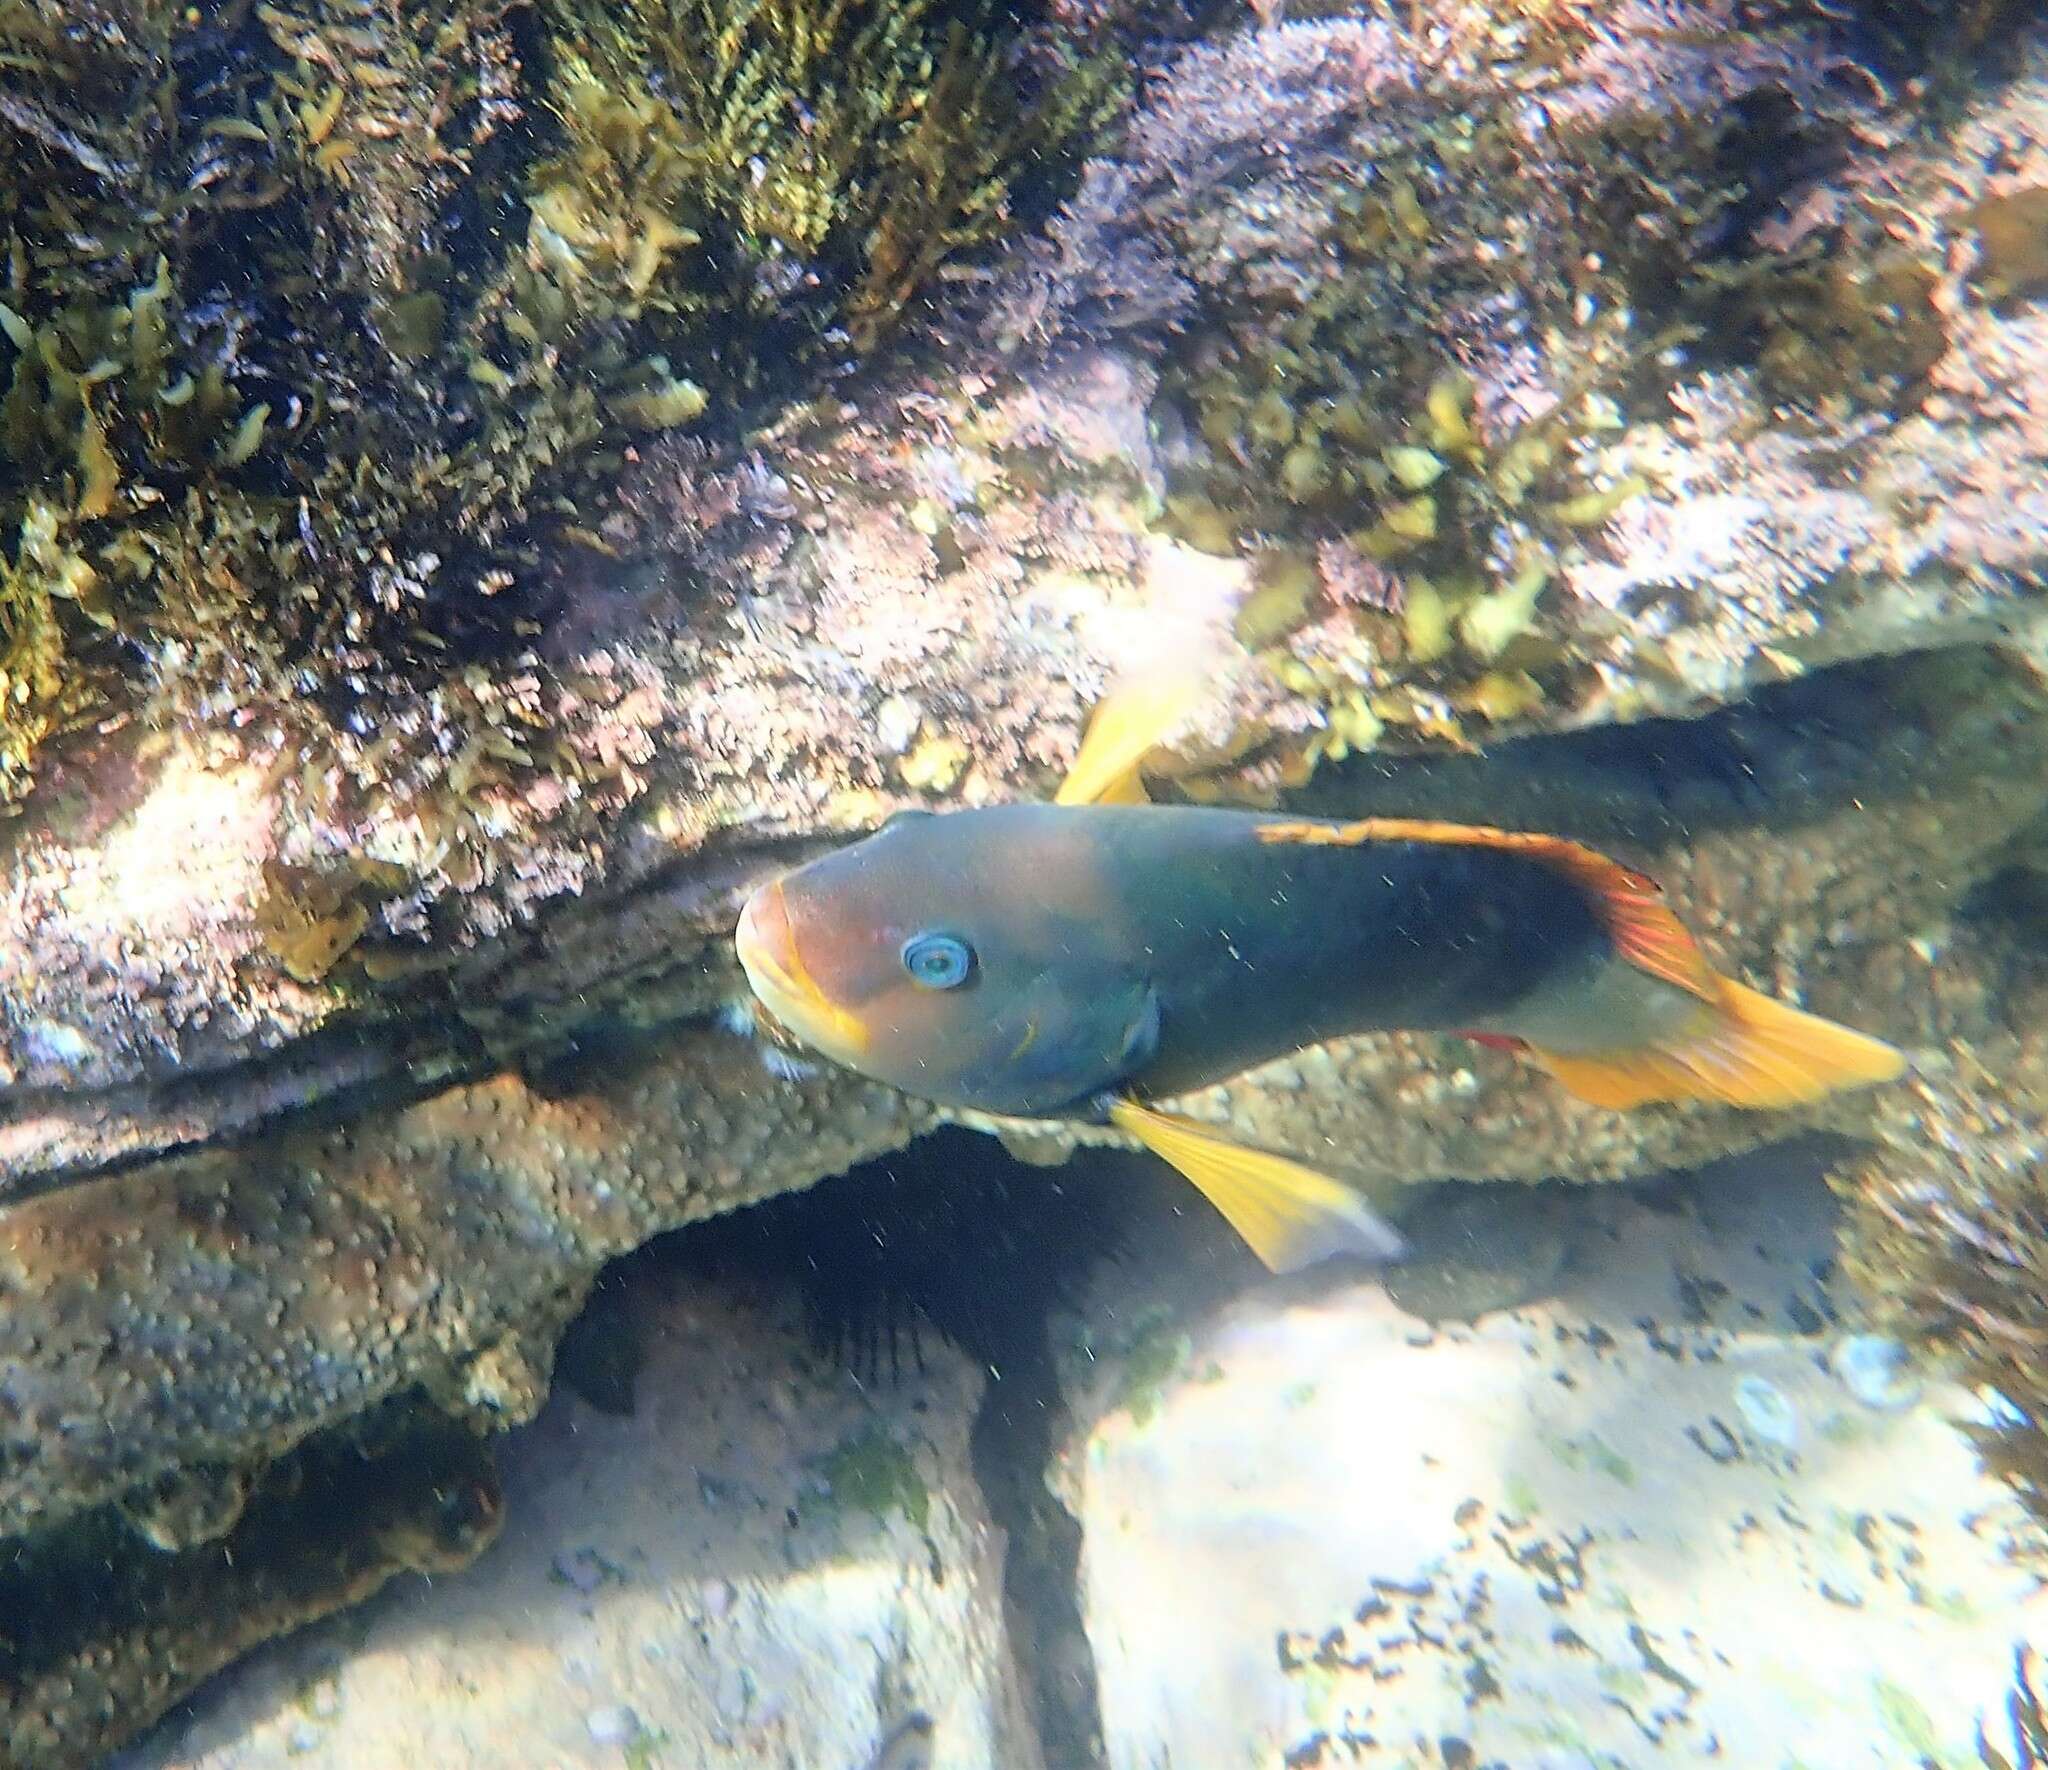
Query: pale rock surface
1320, 1531
730, 1578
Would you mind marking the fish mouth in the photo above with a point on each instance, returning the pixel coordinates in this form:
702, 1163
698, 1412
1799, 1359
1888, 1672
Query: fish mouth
766, 944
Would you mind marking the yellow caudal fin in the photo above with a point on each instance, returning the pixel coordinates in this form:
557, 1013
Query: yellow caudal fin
1743, 1050
1289, 1215
1135, 715
1734, 1046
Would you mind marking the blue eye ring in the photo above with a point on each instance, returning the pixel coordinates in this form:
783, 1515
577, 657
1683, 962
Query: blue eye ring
938, 961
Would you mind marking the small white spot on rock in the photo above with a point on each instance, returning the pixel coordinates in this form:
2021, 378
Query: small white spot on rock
52, 1041
896, 724
615, 1725
1877, 1370
1767, 1412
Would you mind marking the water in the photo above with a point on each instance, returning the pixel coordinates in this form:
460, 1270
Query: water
487, 493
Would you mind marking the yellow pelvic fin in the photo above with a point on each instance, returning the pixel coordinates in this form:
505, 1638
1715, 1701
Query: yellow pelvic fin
1290, 1215
1743, 1050
1135, 715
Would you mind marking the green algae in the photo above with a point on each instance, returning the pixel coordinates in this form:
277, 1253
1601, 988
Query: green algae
320, 320
873, 1473
1907, 1722
644, 1750
1589, 1452
1156, 1355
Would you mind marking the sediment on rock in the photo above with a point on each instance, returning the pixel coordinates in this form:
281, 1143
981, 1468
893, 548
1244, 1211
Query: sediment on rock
746, 1553
1635, 433
103, 1639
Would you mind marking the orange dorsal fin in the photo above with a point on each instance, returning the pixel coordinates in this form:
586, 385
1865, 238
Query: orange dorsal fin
1629, 904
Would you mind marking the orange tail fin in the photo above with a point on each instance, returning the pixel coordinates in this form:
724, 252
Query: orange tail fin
1741, 1048
1746, 1050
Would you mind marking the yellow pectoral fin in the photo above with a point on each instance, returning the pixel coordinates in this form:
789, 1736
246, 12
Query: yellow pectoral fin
1133, 717
1289, 1215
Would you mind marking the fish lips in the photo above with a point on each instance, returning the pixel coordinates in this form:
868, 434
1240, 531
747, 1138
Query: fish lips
766, 942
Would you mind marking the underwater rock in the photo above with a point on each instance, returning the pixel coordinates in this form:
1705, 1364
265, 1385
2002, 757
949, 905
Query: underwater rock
286, 1286
784, 1566
104, 1640
1324, 1530
436, 955
1949, 1238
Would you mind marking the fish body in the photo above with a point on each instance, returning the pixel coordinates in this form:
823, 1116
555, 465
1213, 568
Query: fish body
1163, 948
1099, 954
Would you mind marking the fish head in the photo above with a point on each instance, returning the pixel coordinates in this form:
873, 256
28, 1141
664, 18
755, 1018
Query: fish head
953, 957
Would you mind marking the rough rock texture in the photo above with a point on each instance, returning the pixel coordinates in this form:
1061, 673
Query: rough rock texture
219, 1307
104, 1638
334, 1062
765, 1563
1639, 1518
1602, 1479
1945, 1229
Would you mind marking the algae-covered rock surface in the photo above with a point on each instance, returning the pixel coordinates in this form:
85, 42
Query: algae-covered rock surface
482, 487
761, 1562
1548, 496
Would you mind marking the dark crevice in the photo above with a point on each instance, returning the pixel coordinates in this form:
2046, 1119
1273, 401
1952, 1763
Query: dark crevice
1017, 1432
954, 1237
1790, 754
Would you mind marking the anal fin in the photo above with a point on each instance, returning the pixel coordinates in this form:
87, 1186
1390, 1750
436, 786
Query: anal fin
1288, 1214
1744, 1049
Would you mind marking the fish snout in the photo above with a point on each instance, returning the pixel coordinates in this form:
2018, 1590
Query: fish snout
768, 953
764, 931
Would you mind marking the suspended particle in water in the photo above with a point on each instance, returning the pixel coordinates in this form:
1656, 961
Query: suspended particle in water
1877, 1370
1769, 1415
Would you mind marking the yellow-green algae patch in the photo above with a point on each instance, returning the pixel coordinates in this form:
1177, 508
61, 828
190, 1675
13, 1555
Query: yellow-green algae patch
875, 1474
320, 319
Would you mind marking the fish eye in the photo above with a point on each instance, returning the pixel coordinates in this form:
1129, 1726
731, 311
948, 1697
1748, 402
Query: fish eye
938, 961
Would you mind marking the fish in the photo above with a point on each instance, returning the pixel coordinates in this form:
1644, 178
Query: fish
1090, 958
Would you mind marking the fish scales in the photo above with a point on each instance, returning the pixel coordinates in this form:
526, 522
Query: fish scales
1257, 948
1101, 953
1167, 947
